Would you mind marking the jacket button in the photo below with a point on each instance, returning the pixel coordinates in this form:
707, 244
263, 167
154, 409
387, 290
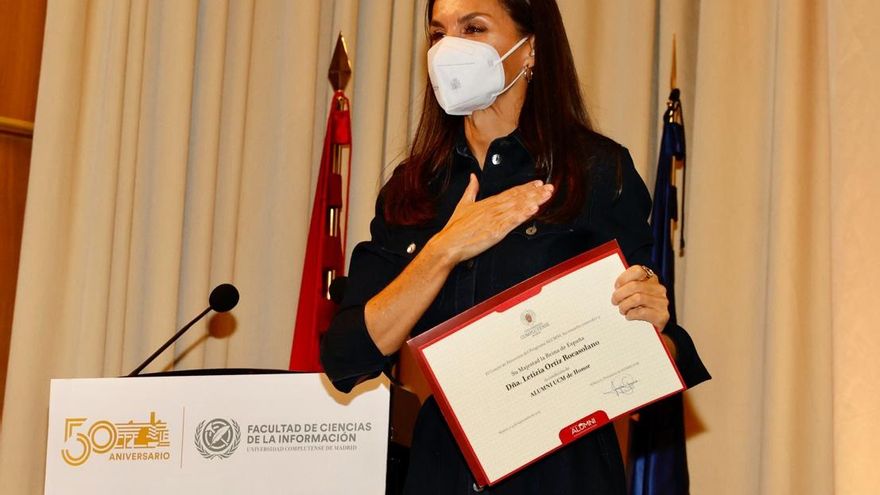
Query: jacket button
496, 159
532, 230
411, 248
470, 264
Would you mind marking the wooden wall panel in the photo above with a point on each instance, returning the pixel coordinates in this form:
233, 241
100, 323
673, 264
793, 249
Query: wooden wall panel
21, 45
15, 155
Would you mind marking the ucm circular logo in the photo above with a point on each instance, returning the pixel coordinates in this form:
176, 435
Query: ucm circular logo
217, 438
527, 317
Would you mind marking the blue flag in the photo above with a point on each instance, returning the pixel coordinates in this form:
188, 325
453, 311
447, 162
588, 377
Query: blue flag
657, 455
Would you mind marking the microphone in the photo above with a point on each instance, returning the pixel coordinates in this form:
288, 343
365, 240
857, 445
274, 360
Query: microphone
223, 298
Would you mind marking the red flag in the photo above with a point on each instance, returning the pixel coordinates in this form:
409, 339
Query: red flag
325, 258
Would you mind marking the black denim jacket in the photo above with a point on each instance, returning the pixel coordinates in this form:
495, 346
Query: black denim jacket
617, 208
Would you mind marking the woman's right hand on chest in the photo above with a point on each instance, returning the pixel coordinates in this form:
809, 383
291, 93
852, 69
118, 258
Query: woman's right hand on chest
475, 226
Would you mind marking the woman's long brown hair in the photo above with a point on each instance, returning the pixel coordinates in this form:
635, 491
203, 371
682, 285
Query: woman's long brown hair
553, 123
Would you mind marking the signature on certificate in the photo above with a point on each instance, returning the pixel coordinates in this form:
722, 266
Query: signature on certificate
623, 385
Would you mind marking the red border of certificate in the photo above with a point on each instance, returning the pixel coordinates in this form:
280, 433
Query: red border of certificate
499, 303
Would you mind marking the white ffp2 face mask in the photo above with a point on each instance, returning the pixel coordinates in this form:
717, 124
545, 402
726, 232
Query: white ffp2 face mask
467, 75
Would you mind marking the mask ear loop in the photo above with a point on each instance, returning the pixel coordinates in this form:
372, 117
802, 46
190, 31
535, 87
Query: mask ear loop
512, 49
515, 79
503, 58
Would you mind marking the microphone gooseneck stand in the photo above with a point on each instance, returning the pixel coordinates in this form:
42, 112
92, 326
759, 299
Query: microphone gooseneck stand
223, 298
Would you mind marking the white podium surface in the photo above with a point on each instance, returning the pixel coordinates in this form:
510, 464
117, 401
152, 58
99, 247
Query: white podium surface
273, 433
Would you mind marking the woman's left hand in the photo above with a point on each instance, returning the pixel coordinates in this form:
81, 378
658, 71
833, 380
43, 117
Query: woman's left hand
640, 296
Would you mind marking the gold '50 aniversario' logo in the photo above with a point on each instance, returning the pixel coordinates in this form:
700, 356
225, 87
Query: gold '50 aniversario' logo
130, 441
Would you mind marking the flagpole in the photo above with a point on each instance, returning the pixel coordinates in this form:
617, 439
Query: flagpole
657, 447
676, 162
673, 74
339, 75
324, 262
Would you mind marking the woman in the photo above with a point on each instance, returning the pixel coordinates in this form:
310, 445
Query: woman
505, 179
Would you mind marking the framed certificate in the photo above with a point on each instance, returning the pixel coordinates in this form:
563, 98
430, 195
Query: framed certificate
542, 364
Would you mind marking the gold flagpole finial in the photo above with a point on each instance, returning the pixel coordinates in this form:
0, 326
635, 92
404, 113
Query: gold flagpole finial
340, 66
672, 81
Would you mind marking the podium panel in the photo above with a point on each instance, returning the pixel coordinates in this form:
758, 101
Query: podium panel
272, 433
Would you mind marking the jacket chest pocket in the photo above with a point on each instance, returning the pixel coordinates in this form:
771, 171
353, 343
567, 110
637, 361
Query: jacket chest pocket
530, 249
402, 247
404, 244
537, 231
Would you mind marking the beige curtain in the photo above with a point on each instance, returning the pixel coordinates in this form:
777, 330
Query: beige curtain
177, 145
779, 271
759, 275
